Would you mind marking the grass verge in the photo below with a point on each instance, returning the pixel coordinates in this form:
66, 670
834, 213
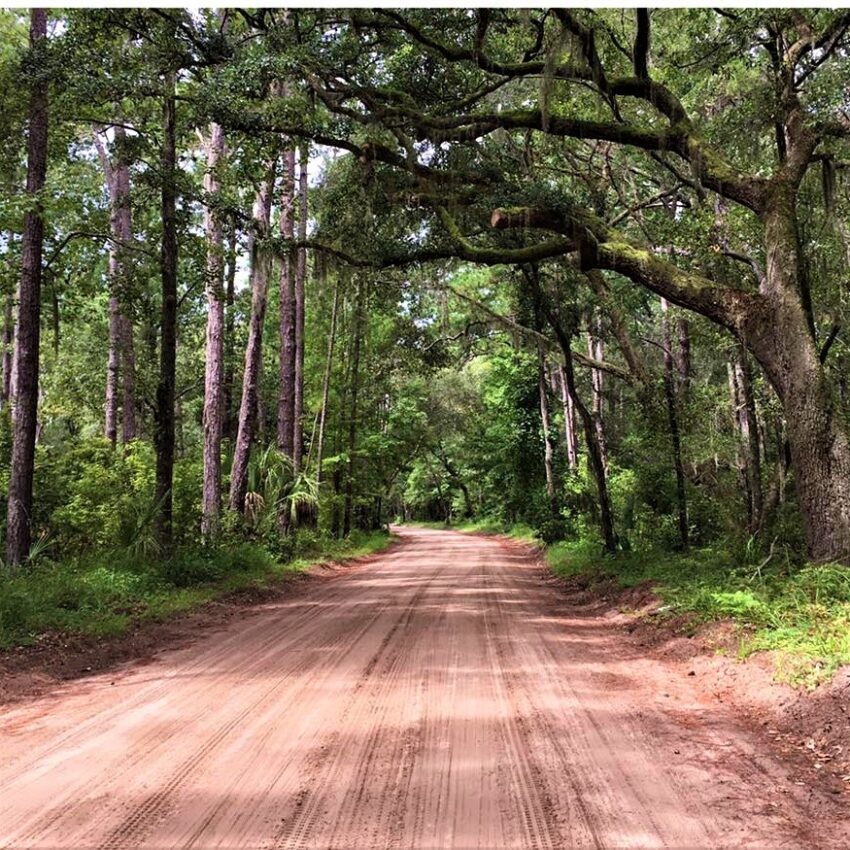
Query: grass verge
802, 614
106, 594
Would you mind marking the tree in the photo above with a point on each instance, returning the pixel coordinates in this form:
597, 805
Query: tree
260, 262
213, 417
165, 391
121, 356
628, 106
288, 273
27, 336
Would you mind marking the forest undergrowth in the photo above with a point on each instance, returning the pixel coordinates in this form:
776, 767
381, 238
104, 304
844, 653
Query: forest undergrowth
106, 594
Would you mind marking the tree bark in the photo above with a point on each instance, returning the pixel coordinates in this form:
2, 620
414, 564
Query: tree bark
683, 355
673, 420
121, 361
779, 336
164, 425
229, 298
113, 358
596, 351
8, 344
748, 424
286, 386
300, 280
548, 455
357, 333
594, 450
129, 403
326, 383
213, 416
25, 401
110, 417
254, 349
595, 456
569, 422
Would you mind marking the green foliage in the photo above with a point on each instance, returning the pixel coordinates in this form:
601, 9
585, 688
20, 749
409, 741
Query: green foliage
103, 594
801, 613
447, 421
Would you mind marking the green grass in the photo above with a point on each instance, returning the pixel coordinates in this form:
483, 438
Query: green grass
106, 594
801, 613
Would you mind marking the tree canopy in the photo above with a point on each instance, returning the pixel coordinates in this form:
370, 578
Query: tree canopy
314, 269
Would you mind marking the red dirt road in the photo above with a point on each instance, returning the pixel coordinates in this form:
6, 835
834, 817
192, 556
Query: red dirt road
442, 696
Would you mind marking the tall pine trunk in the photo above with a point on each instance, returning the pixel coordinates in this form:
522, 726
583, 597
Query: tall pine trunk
229, 299
25, 401
164, 424
113, 357
569, 421
129, 402
113, 367
8, 343
673, 422
354, 390
683, 355
213, 416
300, 280
121, 360
254, 350
746, 424
596, 351
286, 382
548, 454
326, 384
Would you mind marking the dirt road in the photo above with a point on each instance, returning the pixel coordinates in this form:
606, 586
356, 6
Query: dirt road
442, 696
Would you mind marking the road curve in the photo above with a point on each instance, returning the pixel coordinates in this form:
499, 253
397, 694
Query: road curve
441, 696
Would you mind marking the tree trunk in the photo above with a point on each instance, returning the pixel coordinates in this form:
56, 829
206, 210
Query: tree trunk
740, 453
569, 422
129, 426
326, 383
456, 480
213, 417
113, 357
165, 392
121, 354
594, 450
596, 351
229, 298
548, 455
352, 408
779, 336
113, 365
595, 456
25, 402
300, 280
749, 438
683, 355
673, 420
286, 387
254, 349
8, 344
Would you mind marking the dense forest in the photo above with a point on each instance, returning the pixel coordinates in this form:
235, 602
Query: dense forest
275, 278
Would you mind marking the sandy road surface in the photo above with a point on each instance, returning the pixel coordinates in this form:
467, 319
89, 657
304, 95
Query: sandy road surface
441, 696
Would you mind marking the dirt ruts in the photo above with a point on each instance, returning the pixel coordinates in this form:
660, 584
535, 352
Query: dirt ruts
441, 696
